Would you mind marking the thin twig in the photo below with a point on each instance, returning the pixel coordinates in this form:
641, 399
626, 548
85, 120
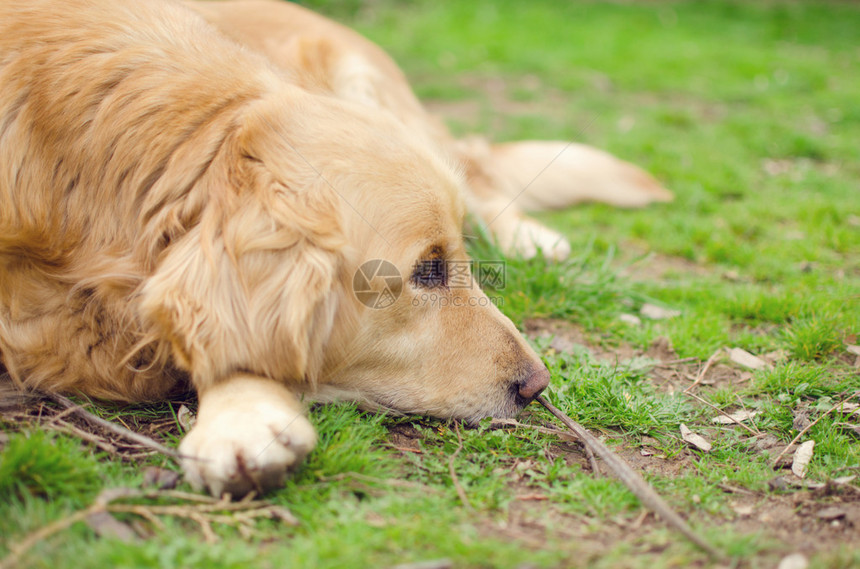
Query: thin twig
670, 363
637, 523
114, 428
735, 490
460, 491
809, 426
632, 480
744, 407
205, 511
61, 415
498, 423
701, 375
71, 429
595, 467
721, 412
592, 460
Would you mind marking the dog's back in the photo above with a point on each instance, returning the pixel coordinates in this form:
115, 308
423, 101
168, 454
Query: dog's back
85, 207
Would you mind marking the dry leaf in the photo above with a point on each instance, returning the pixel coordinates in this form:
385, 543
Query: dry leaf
105, 525
692, 438
736, 417
793, 561
655, 312
830, 514
631, 319
777, 484
186, 418
732, 275
743, 510
802, 456
801, 420
161, 478
853, 350
746, 359
843, 480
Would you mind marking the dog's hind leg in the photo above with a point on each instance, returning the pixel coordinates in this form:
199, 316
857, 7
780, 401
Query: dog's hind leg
492, 199
504, 180
554, 174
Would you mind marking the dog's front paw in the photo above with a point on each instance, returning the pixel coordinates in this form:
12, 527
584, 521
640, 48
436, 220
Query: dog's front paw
249, 433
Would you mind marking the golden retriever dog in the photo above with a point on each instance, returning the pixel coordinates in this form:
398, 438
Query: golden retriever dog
176, 210
503, 180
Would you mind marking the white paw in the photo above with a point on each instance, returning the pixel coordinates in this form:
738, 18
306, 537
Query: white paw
244, 443
528, 237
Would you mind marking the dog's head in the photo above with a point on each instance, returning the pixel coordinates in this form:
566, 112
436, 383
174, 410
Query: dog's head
330, 255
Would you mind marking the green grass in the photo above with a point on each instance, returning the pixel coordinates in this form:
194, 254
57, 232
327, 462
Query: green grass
38, 465
748, 112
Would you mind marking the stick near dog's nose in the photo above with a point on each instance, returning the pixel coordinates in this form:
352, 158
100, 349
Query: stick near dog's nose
633, 480
533, 384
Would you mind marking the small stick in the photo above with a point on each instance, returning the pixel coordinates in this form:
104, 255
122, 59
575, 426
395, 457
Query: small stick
498, 423
595, 466
701, 375
721, 412
114, 428
460, 491
206, 509
82, 434
735, 490
670, 363
812, 424
744, 407
634, 482
60, 416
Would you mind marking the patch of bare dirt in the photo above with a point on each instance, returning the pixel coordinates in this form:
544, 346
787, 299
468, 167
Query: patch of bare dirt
655, 266
566, 337
787, 519
808, 522
783, 524
405, 438
668, 372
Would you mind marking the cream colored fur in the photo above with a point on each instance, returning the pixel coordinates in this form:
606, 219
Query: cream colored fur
503, 180
176, 211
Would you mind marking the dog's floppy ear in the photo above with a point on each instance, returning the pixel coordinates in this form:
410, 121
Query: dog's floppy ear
251, 285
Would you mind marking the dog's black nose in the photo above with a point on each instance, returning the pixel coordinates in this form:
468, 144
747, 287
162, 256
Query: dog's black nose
533, 384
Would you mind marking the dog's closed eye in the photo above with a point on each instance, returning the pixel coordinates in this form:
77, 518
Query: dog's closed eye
431, 271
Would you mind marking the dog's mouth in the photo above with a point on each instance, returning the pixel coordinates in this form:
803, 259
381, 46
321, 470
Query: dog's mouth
471, 408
